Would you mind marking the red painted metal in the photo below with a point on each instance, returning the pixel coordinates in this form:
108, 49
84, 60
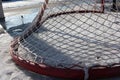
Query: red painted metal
102, 5
103, 72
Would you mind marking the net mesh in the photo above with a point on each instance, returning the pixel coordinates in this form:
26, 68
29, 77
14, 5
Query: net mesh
73, 34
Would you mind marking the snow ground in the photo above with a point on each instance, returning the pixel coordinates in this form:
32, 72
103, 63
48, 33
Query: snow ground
20, 7
18, 4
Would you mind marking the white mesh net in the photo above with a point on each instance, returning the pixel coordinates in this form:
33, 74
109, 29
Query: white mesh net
73, 34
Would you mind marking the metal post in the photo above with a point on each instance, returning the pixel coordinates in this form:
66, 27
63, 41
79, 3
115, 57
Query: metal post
2, 18
103, 5
114, 5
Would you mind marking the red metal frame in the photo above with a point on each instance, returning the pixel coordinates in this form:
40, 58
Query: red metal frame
102, 5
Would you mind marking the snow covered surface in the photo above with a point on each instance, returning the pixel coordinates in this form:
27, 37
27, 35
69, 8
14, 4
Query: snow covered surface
18, 4
20, 7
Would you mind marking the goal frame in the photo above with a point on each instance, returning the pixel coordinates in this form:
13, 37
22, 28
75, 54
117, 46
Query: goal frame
94, 72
